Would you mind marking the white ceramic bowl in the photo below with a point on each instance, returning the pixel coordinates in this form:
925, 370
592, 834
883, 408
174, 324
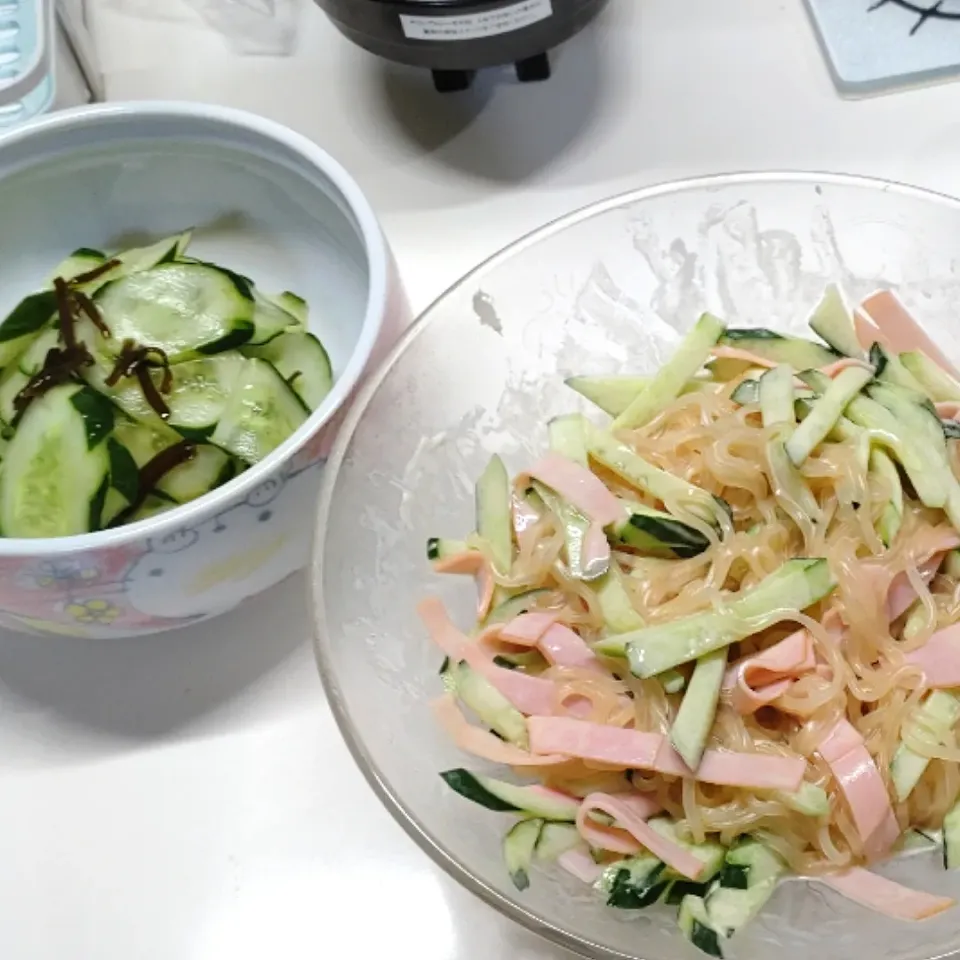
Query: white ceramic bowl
265, 202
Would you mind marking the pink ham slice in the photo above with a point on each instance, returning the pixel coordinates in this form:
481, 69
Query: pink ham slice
580, 864
757, 680
604, 837
579, 487
757, 771
564, 648
474, 563
626, 817
948, 409
482, 744
530, 695
844, 363
939, 658
618, 746
862, 786
633, 749
527, 628
884, 896
901, 594
897, 329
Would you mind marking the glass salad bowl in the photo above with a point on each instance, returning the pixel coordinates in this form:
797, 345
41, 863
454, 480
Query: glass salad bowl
609, 289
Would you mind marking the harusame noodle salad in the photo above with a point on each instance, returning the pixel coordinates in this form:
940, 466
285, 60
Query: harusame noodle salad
718, 633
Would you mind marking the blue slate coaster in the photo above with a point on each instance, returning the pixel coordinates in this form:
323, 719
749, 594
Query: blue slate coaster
874, 46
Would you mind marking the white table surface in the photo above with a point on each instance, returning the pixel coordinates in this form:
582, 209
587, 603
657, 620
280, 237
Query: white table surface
187, 796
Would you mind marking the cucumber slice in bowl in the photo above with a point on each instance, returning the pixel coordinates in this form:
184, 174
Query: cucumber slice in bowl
261, 412
302, 361
185, 309
55, 470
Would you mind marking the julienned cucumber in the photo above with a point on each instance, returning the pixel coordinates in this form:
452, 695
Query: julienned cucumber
651, 650
509, 798
123, 391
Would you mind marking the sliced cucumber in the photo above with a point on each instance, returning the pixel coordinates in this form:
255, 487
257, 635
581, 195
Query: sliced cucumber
259, 415
889, 369
494, 521
53, 480
439, 548
776, 396
32, 359
513, 606
810, 800
672, 681
619, 614
882, 468
575, 528
555, 840
825, 412
951, 838
696, 925
658, 533
748, 879
490, 705
710, 853
518, 848
302, 361
509, 798
24, 322
794, 351
632, 884
798, 584
694, 720
748, 391
833, 323
612, 394
937, 383
185, 309
79, 262
939, 714
679, 889
669, 380
568, 437
630, 466
270, 320
294, 305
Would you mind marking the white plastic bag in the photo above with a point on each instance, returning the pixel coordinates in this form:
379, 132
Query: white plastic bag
257, 27
251, 27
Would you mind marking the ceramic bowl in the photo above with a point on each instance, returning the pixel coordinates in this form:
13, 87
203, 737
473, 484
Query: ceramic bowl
610, 289
269, 204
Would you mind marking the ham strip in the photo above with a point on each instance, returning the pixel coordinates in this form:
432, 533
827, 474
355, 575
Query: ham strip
474, 563
939, 658
578, 486
527, 628
618, 746
482, 744
672, 854
901, 593
898, 329
757, 680
564, 648
862, 786
601, 836
633, 749
885, 896
579, 863
530, 695
948, 409
844, 363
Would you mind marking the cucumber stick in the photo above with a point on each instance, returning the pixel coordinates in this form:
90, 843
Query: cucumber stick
884, 472
695, 924
568, 437
518, 849
937, 715
694, 719
669, 380
775, 390
493, 513
657, 533
630, 466
650, 650
833, 323
937, 383
505, 797
619, 613
825, 411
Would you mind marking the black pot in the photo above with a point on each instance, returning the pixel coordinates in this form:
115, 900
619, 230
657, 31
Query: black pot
454, 38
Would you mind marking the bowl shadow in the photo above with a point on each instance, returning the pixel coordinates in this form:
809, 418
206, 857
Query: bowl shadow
170, 685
